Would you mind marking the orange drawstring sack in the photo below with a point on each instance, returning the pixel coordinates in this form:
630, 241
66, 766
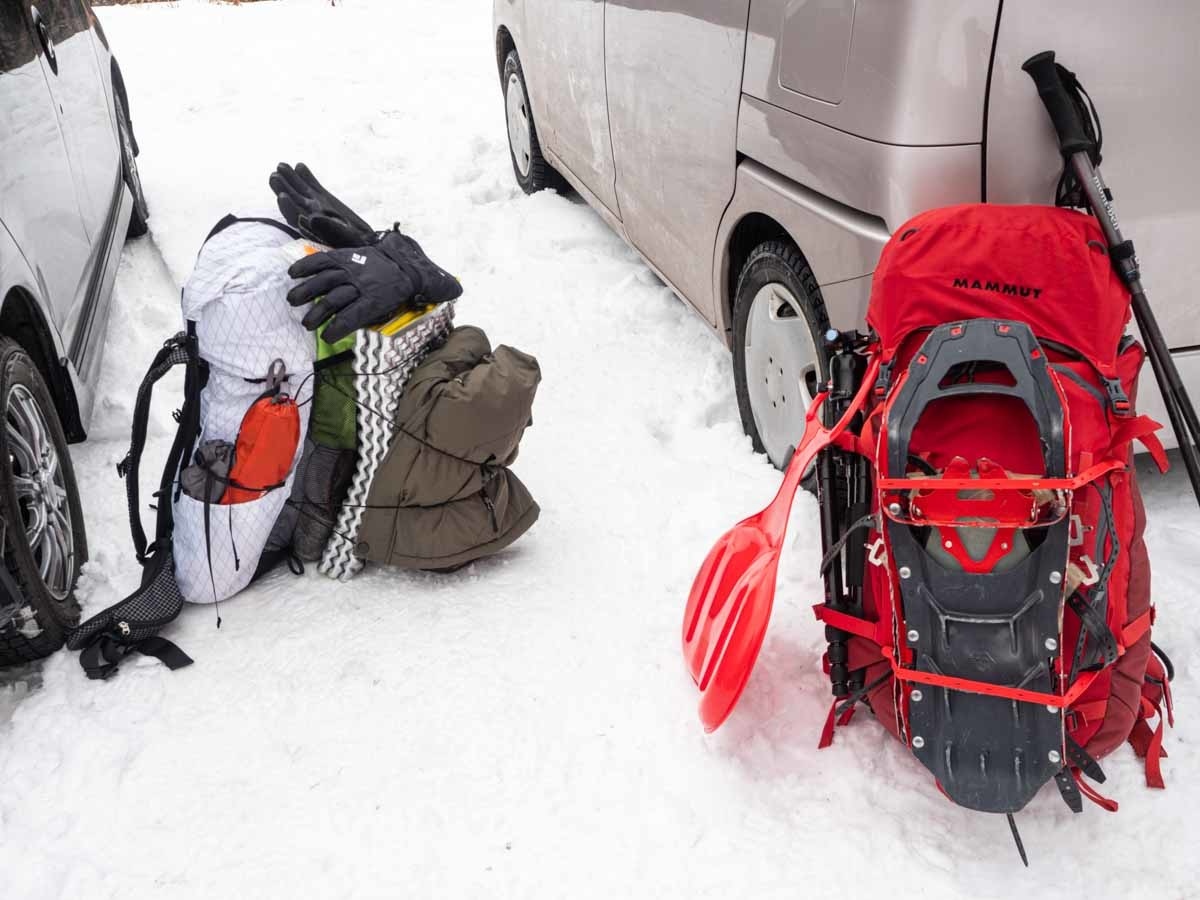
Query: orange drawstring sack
266, 447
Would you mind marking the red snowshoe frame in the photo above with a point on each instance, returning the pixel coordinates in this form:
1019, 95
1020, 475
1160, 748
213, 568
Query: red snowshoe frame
984, 566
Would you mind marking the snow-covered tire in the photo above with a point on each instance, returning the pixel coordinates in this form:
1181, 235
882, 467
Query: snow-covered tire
533, 172
32, 625
793, 363
139, 219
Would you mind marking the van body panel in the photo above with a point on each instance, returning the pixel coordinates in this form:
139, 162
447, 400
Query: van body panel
565, 59
915, 72
1151, 122
885, 180
674, 73
839, 243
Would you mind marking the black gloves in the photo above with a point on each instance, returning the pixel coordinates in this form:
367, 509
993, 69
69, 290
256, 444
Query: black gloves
363, 286
315, 212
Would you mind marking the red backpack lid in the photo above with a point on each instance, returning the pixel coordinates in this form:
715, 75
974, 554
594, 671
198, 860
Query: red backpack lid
1042, 265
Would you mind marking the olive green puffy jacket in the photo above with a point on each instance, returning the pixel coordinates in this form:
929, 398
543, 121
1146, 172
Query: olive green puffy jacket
444, 496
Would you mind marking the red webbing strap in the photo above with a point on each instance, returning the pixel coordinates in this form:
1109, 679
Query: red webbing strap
1087, 476
834, 720
876, 632
1092, 711
1142, 429
1135, 629
1129, 635
1154, 755
1092, 794
1077, 690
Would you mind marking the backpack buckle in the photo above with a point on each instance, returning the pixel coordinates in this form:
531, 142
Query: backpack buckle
1118, 398
884, 381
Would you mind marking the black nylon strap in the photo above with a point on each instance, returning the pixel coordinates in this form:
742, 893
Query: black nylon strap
179, 350
231, 220
1069, 790
1081, 759
102, 658
1104, 643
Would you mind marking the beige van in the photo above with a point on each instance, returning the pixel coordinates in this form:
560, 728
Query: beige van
758, 153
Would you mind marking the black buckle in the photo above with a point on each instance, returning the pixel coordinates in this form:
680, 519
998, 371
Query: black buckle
1118, 398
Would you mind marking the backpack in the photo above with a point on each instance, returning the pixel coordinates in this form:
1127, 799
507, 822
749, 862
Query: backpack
996, 615
987, 586
248, 365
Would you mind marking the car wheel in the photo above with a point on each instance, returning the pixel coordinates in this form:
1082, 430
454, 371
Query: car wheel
139, 220
532, 171
779, 360
41, 530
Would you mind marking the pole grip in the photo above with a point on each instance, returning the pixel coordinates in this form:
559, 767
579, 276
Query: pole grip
1064, 114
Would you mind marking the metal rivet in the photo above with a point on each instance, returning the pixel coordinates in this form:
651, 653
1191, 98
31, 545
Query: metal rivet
1056, 577
1054, 756
1051, 644
916, 696
913, 636
918, 742
1053, 710
905, 572
949, 544
894, 509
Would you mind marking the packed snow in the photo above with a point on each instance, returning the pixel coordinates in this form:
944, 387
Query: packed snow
525, 727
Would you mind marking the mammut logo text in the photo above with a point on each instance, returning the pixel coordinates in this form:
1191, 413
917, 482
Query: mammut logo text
998, 287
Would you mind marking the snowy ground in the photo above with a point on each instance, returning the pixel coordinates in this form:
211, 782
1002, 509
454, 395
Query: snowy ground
526, 727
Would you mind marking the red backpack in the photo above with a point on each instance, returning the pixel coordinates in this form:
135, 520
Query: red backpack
1004, 625
987, 584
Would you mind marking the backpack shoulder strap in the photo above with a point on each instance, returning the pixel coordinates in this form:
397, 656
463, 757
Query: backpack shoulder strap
181, 350
231, 220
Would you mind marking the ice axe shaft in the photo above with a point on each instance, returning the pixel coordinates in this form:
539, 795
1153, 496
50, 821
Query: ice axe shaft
1079, 147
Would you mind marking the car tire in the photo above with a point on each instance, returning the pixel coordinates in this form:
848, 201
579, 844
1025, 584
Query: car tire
139, 219
533, 172
36, 480
779, 358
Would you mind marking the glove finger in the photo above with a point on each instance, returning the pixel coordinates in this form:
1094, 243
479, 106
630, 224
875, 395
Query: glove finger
311, 265
316, 287
291, 212
294, 183
304, 173
340, 313
335, 232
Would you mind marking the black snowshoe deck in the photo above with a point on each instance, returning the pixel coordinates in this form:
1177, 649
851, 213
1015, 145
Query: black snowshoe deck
1001, 627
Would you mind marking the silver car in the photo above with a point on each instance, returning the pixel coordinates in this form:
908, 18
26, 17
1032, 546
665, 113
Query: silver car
758, 153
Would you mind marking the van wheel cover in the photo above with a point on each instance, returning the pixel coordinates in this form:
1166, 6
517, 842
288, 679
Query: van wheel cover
782, 369
41, 491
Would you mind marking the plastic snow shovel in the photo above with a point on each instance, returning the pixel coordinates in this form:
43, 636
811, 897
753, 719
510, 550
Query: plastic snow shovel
731, 598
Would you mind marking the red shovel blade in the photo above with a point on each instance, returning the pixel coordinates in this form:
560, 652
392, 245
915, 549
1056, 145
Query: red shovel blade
731, 599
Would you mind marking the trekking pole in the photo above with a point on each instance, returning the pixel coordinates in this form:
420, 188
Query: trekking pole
1078, 146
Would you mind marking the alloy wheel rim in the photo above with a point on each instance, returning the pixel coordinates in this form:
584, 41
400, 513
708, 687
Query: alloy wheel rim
782, 369
520, 132
41, 490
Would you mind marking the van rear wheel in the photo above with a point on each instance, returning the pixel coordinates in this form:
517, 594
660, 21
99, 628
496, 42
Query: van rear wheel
779, 360
42, 542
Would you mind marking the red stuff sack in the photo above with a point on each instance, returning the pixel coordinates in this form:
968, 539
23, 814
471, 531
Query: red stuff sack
266, 448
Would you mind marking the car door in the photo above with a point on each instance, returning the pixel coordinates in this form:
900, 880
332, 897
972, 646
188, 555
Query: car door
674, 74
73, 72
565, 76
38, 202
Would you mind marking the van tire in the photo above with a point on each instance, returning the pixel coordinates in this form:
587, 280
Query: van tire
139, 219
538, 174
34, 623
778, 263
